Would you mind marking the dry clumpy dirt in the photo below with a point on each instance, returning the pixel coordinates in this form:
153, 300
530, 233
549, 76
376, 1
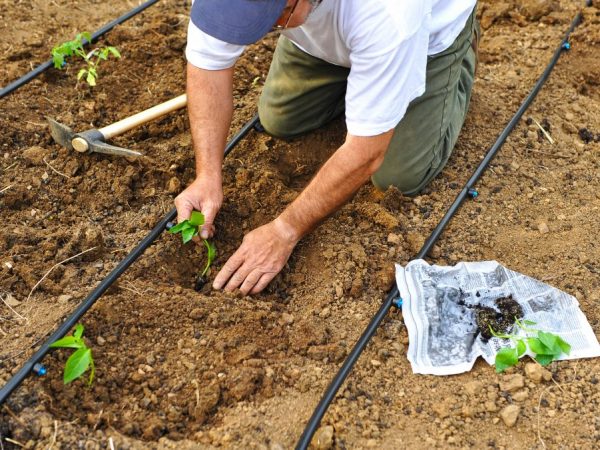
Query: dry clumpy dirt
181, 369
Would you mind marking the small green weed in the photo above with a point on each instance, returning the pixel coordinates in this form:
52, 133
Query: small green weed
92, 59
190, 228
547, 347
81, 360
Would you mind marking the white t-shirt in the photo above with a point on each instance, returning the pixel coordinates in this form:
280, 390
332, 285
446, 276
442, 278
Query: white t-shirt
385, 43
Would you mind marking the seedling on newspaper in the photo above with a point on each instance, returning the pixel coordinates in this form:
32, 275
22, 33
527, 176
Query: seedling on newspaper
80, 360
92, 59
547, 347
190, 228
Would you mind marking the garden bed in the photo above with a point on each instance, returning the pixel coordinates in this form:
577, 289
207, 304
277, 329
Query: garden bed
177, 368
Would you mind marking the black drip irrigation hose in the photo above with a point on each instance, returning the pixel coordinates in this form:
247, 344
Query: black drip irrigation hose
33, 363
393, 297
97, 34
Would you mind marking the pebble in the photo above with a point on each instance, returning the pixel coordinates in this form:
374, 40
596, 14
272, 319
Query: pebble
473, 387
287, 318
510, 414
512, 383
521, 395
173, 185
375, 363
100, 340
543, 227
323, 439
325, 312
490, 406
35, 155
64, 298
197, 314
533, 371
394, 238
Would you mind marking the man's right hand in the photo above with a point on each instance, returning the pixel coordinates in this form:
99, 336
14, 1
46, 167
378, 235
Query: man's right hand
202, 195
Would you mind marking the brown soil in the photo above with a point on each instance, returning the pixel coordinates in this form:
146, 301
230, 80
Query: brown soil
501, 318
182, 369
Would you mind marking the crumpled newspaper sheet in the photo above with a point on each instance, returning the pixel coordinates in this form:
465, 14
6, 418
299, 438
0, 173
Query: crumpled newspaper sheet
439, 310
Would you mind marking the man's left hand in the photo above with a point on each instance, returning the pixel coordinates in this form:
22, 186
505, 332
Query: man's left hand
262, 255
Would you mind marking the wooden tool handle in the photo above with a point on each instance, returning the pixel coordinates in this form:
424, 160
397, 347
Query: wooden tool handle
142, 117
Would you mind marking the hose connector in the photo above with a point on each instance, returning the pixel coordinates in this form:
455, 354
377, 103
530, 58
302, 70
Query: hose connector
473, 193
39, 369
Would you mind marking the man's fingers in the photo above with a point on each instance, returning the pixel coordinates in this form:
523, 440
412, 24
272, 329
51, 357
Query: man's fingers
207, 231
262, 283
209, 211
184, 209
250, 281
227, 271
237, 278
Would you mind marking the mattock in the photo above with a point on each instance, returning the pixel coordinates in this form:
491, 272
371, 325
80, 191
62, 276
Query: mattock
94, 140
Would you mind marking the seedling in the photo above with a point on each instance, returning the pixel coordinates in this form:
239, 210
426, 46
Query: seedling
547, 347
190, 228
92, 59
81, 360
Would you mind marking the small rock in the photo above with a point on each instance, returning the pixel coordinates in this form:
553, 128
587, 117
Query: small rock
35, 155
473, 387
521, 395
325, 312
510, 414
173, 185
197, 314
490, 406
537, 373
11, 301
323, 439
287, 318
375, 363
100, 340
394, 238
512, 383
543, 227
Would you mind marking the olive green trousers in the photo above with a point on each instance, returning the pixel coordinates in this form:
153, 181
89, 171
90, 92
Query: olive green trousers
303, 93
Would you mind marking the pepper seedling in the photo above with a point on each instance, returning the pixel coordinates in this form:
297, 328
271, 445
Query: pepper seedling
190, 228
92, 59
80, 360
547, 347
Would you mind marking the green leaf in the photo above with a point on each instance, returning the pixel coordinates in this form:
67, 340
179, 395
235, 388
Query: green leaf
211, 254
68, 342
86, 35
180, 226
529, 322
505, 358
196, 218
81, 73
188, 233
544, 360
78, 331
77, 364
564, 345
212, 250
549, 340
114, 52
521, 348
538, 347
58, 59
103, 54
91, 79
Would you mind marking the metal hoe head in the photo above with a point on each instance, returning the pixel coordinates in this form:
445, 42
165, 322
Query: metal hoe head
90, 141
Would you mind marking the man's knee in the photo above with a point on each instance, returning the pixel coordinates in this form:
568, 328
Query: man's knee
407, 183
274, 122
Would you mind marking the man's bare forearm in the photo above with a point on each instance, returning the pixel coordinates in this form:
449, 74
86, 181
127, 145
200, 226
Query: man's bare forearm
210, 108
335, 183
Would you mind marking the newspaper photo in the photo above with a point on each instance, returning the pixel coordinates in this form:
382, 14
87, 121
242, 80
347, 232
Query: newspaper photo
443, 309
